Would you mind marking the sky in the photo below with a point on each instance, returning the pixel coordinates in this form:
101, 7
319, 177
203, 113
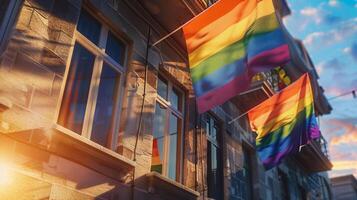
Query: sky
328, 28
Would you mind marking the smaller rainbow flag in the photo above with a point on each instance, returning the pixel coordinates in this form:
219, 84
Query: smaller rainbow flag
156, 164
284, 122
230, 42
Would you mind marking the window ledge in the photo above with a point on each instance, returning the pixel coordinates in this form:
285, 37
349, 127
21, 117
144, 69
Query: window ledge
76, 148
163, 186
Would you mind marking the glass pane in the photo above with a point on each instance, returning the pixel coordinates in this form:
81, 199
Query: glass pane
77, 88
3, 7
162, 88
173, 146
89, 26
207, 127
115, 48
158, 142
246, 177
106, 105
214, 133
213, 173
175, 99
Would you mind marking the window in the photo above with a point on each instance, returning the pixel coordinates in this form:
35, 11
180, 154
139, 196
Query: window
283, 183
246, 176
214, 158
8, 13
167, 131
93, 88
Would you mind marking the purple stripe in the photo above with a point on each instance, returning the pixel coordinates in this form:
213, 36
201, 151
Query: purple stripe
262, 62
277, 158
298, 136
269, 59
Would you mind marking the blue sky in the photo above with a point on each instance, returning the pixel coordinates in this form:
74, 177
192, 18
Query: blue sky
328, 29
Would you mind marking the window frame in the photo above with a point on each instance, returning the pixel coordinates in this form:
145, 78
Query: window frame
98, 51
170, 110
218, 143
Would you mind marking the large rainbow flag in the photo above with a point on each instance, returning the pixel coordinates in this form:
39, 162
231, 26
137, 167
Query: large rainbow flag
284, 122
230, 42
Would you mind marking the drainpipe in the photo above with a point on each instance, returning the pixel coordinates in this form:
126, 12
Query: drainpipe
142, 107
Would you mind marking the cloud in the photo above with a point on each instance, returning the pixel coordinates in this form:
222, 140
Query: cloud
347, 50
347, 134
344, 30
344, 167
318, 16
332, 64
338, 154
345, 164
348, 138
333, 3
333, 91
309, 11
312, 37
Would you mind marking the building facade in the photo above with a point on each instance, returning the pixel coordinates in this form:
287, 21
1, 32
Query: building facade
89, 109
344, 187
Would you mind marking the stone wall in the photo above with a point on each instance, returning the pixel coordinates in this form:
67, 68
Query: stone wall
33, 65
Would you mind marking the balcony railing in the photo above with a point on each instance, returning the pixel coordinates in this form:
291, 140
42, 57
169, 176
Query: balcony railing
208, 3
313, 157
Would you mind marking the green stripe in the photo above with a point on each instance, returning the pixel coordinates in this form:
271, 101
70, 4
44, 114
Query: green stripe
236, 50
285, 130
156, 168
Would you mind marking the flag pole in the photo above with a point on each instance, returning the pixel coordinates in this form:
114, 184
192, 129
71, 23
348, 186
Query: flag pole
180, 27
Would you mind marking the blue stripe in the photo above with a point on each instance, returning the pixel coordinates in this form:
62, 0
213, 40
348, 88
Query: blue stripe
293, 140
265, 42
282, 144
227, 73
277, 134
219, 78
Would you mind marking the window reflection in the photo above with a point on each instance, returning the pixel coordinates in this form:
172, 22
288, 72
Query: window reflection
162, 88
158, 134
115, 48
173, 146
77, 88
89, 26
168, 126
175, 99
106, 105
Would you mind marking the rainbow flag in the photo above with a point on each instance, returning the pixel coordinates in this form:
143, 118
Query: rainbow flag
230, 42
284, 122
156, 164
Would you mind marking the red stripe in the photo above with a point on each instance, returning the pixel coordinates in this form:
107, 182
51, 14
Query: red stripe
210, 15
196, 36
220, 95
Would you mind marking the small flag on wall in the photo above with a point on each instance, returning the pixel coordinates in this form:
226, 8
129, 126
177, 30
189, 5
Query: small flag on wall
284, 122
156, 164
230, 42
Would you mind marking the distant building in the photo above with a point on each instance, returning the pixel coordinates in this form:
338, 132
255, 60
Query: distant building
344, 187
72, 79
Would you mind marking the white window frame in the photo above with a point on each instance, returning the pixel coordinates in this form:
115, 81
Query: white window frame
100, 56
180, 128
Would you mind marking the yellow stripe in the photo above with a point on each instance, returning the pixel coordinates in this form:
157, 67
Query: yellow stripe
284, 106
284, 118
230, 35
